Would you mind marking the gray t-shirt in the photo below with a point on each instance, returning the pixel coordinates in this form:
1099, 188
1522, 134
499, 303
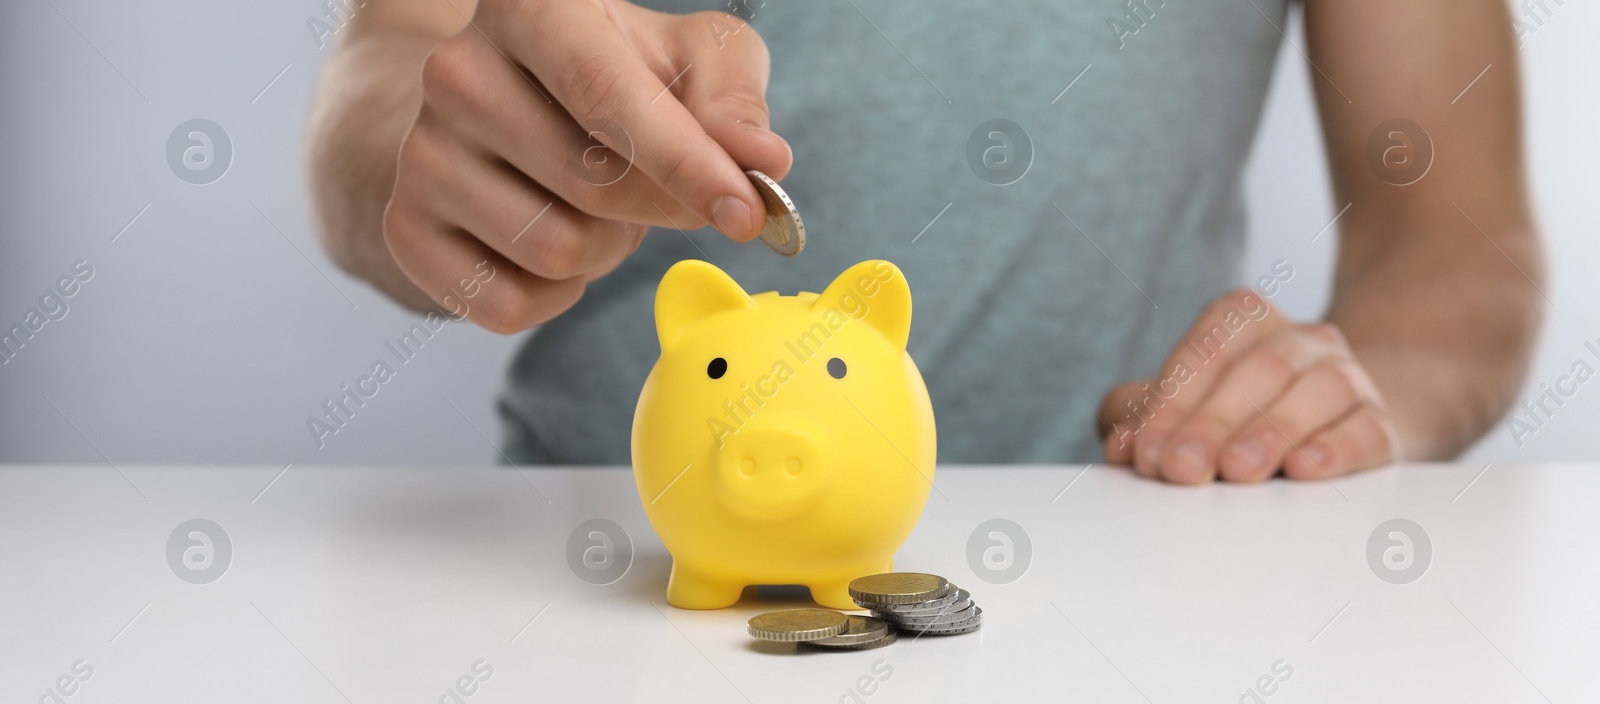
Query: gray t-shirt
1031, 298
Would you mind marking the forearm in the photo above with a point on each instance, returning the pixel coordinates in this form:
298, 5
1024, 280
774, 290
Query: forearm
366, 100
1444, 316
1439, 278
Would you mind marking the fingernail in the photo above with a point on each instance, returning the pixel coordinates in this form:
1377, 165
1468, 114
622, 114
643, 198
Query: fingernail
768, 134
731, 216
1246, 454
1192, 454
1150, 453
1317, 456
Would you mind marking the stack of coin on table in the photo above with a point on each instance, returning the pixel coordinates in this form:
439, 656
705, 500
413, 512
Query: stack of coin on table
823, 629
923, 604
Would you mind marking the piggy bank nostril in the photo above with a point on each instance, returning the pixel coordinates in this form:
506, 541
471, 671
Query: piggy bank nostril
747, 466
793, 466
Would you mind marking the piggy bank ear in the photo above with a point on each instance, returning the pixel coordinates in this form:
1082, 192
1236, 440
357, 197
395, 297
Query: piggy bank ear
691, 290
876, 293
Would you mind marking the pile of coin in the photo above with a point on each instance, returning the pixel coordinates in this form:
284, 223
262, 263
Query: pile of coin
923, 604
783, 232
926, 604
821, 628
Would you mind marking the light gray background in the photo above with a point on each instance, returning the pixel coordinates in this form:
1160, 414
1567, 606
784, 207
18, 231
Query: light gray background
211, 331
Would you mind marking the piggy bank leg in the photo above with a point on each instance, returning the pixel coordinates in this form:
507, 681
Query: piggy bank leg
836, 594
689, 588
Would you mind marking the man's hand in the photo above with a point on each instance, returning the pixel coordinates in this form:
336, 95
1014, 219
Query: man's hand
1246, 393
504, 160
1437, 297
550, 135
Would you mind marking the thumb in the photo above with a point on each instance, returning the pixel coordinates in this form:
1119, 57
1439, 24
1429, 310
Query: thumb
725, 90
1115, 426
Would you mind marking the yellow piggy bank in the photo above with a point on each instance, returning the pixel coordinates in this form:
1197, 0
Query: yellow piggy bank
782, 439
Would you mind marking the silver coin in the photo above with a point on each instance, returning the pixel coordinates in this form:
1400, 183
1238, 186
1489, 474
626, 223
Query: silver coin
967, 625
954, 613
955, 594
888, 638
955, 630
783, 232
951, 607
940, 619
859, 630
956, 600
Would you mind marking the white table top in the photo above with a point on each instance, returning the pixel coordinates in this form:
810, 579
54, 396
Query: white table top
386, 585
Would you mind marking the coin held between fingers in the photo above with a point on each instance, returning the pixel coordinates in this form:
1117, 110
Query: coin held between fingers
783, 232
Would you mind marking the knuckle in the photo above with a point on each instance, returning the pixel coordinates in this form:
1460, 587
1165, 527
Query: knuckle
1343, 383
447, 71
505, 313
1329, 333
592, 200
1241, 297
638, 238
1231, 305
559, 254
1112, 402
1275, 363
725, 28
1154, 417
401, 225
1336, 396
677, 167
617, 236
594, 86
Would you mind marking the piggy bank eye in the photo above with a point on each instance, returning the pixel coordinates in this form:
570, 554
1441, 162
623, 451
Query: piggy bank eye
836, 368
717, 368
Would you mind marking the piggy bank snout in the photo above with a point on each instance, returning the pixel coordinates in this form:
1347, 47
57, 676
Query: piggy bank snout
774, 467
